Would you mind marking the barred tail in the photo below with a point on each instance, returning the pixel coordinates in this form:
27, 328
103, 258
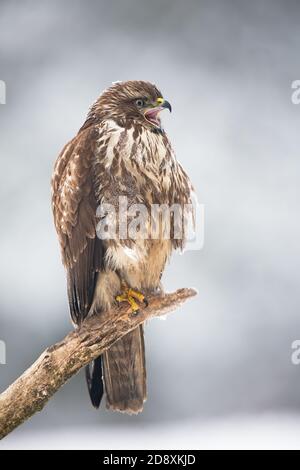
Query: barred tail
124, 373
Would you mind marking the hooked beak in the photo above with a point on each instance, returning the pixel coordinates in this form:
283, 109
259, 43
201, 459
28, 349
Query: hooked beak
152, 114
164, 104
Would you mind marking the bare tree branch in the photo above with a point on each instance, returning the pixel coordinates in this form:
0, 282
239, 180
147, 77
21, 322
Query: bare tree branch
30, 392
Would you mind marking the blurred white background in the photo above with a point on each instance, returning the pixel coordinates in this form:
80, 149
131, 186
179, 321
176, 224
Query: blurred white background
219, 370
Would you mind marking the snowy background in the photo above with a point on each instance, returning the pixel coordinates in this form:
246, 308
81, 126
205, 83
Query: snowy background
227, 69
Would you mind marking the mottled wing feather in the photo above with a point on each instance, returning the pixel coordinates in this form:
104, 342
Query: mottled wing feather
74, 206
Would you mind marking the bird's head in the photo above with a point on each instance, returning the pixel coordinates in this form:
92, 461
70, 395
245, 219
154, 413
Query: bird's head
134, 100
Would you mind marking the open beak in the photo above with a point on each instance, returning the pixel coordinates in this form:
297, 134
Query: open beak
152, 113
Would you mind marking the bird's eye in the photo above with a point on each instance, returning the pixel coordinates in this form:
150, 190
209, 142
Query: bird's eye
140, 103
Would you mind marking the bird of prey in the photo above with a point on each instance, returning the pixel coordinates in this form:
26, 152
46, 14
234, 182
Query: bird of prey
121, 150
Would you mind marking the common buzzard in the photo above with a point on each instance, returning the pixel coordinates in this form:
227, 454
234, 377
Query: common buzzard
121, 151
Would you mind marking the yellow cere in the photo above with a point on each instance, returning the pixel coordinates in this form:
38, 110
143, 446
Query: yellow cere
160, 100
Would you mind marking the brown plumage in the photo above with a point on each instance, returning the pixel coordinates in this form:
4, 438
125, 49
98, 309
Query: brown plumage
121, 150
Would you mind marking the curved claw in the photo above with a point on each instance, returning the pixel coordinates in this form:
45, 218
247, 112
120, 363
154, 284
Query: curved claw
134, 313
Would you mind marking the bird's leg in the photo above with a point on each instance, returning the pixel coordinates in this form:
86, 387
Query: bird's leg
130, 296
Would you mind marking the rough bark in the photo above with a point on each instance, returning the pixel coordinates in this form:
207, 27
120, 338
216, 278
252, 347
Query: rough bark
32, 390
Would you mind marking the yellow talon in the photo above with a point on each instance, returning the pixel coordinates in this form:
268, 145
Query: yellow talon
121, 298
137, 295
134, 306
129, 295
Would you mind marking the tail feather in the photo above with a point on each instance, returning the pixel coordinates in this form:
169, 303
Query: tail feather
93, 375
124, 373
